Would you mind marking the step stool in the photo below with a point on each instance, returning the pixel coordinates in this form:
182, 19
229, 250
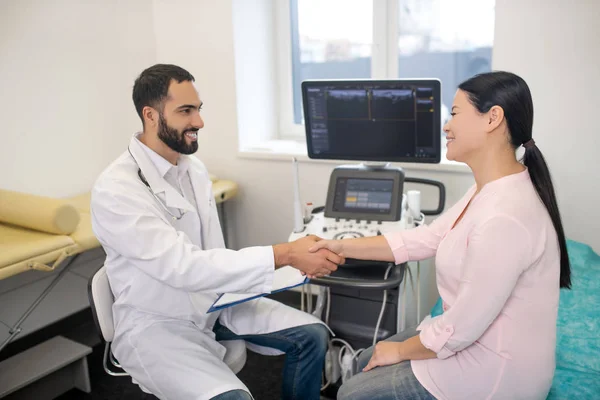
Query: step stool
46, 371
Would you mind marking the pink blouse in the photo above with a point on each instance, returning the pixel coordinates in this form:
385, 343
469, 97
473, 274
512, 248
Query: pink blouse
498, 273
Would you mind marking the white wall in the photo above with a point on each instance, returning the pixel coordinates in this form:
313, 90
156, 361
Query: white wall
555, 46
65, 100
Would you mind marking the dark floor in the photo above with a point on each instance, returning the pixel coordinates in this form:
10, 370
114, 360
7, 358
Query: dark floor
261, 374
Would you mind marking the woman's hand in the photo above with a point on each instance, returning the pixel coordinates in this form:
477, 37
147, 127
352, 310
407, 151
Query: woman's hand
385, 353
374, 248
334, 246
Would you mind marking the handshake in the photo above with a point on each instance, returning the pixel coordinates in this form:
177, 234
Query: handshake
313, 256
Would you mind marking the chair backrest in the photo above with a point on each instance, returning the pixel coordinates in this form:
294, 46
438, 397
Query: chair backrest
101, 302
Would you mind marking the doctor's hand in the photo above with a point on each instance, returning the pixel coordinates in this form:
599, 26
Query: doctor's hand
316, 264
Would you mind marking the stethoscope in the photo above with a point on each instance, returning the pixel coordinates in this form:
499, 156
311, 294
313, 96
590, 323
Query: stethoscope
145, 181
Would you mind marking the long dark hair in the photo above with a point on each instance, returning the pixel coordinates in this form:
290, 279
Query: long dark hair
509, 91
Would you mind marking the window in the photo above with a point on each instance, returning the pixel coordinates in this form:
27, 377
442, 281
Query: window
446, 39
327, 45
382, 39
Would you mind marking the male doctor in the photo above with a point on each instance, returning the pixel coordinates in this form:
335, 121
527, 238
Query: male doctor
154, 213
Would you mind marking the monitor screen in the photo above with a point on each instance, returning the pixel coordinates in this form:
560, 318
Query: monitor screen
372, 120
365, 196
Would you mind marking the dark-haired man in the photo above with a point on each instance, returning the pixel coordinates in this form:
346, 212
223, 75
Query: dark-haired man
154, 213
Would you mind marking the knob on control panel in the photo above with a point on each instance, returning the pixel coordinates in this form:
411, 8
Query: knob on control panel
348, 235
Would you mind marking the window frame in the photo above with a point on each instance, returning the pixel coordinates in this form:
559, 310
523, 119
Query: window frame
288, 130
384, 58
384, 62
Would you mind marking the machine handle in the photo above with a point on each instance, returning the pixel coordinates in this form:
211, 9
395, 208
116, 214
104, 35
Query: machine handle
440, 186
392, 282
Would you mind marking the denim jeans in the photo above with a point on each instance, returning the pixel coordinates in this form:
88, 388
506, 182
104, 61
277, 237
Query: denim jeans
305, 348
233, 395
392, 382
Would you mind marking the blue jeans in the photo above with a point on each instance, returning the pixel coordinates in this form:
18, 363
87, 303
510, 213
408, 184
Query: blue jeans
392, 382
233, 395
305, 348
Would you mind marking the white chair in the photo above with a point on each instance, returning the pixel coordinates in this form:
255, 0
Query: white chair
101, 302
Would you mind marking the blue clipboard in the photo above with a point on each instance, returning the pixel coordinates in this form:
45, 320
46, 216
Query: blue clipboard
214, 308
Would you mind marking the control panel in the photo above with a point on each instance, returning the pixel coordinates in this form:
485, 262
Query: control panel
364, 201
345, 228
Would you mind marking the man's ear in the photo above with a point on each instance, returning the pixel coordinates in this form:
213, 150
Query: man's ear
495, 118
150, 116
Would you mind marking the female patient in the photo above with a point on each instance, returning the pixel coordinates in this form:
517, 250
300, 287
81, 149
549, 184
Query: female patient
500, 257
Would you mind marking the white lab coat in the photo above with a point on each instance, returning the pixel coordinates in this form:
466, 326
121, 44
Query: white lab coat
164, 283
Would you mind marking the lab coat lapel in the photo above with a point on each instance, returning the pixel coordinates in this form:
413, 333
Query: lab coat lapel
157, 183
202, 185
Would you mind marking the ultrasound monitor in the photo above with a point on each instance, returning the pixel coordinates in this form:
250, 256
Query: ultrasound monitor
373, 120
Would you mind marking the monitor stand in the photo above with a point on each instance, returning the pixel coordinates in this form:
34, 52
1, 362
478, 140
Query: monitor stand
374, 165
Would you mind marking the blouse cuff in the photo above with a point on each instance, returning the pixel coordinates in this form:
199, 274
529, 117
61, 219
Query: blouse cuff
436, 342
396, 243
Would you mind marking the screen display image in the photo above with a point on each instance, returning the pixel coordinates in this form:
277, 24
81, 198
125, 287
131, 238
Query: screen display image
397, 120
365, 196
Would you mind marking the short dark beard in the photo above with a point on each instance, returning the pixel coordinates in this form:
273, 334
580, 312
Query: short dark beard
175, 139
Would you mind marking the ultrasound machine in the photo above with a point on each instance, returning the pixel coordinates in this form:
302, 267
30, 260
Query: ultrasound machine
374, 123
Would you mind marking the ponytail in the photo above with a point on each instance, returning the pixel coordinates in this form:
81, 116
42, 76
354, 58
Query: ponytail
510, 92
540, 177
